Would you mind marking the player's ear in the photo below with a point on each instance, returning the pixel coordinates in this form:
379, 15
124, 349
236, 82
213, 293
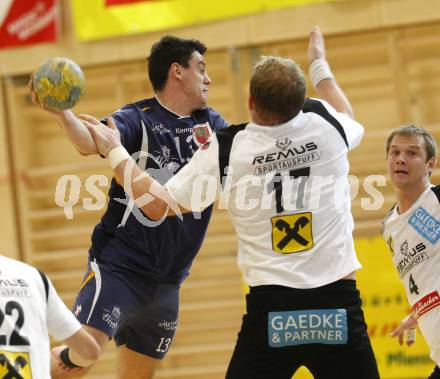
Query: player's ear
176, 71
251, 103
431, 165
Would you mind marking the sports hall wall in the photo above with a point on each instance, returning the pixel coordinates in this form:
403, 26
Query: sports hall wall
385, 55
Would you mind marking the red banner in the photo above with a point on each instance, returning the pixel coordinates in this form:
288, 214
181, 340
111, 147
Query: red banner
24, 22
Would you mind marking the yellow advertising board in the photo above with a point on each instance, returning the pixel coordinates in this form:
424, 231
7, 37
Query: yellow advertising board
385, 304
94, 19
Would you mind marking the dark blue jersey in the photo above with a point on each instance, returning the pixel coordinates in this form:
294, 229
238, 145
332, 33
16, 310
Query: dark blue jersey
126, 239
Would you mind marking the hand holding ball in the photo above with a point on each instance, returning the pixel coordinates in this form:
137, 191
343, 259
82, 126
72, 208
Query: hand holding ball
58, 84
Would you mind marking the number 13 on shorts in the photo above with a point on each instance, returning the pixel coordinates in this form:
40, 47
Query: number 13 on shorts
164, 345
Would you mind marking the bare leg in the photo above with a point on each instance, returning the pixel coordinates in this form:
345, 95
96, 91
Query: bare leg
135, 365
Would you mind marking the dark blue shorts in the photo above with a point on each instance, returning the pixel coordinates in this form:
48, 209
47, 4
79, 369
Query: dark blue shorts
321, 328
137, 313
435, 374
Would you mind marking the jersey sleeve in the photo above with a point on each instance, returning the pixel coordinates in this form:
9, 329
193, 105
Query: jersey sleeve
353, 130
127, 127
197, 184
61, 322
218, 122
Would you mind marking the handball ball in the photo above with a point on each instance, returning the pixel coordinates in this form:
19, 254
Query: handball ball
58, 84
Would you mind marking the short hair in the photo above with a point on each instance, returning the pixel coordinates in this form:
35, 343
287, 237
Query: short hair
165, 52
412, 130
278, 88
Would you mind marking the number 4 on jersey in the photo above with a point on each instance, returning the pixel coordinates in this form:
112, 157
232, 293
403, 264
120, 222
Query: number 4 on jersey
413, 286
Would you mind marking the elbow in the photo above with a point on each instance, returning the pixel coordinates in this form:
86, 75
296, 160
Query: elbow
95, 352
154, 214
156, 210
92, 352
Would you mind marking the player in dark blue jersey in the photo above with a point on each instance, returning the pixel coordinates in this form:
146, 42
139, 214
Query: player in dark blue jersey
130, 291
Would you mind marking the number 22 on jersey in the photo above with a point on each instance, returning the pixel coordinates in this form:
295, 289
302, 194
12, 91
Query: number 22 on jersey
13, 365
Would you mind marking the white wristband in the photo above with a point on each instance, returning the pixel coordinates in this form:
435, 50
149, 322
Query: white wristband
319, 70
410, 335
117, 155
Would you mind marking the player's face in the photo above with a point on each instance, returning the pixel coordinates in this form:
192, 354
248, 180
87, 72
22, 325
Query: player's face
196, 81
406, 162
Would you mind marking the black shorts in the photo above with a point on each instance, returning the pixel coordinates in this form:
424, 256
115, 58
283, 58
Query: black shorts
435, 374
139, 314
321, 328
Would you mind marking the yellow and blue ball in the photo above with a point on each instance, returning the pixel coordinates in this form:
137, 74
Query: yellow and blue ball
58, 84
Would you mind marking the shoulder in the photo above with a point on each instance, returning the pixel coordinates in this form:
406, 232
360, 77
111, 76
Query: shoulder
387, 219
436, 192
16, 267
133, 115
14, 264
208, 114
313, 105
137, 108
389, 214
228, 134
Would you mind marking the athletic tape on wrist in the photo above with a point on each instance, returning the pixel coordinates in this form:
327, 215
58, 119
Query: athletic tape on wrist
410, 335
64, 357
117, 155
319, 70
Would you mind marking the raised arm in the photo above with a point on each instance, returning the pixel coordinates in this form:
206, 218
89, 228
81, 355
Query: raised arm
76, 131
322, 78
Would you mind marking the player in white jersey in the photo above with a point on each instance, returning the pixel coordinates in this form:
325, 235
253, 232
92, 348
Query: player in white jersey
30, 309
412, 230
284, 180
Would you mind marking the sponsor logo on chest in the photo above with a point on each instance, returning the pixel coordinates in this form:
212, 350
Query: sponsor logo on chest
425, 225
15, 365
14, 287
201, 133
409, 258
160, 129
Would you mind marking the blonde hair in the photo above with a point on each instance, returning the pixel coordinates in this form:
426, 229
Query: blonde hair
278, 88
412, 130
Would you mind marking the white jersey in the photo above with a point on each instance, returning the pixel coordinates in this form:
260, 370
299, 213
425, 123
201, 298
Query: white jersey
30, 308
287, 192
413, 239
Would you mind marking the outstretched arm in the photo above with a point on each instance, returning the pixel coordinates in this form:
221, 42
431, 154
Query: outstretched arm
76, 131
149, 195
322, 78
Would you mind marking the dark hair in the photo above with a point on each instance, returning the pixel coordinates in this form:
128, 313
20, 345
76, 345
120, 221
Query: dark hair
278, 88
412, 130
165, 52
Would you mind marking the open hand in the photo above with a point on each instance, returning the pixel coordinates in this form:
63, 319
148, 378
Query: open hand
316, 48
